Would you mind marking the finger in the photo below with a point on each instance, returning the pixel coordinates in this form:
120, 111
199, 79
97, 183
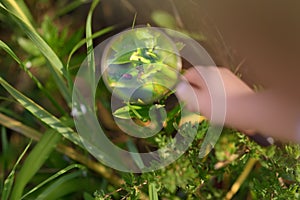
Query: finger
186, 93
196, 100
194, 77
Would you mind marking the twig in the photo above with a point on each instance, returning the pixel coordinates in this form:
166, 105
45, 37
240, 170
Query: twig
142, 196
236, 186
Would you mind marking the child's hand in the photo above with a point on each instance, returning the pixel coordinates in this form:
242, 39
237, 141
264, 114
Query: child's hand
270, 112
234, 89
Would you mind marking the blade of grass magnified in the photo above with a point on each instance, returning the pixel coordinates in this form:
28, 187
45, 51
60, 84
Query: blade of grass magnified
34, 161
55, 65
42, 114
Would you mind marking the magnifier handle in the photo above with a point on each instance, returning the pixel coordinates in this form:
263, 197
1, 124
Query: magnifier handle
262, 140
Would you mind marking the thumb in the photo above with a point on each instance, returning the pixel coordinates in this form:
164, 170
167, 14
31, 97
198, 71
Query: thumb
186, 93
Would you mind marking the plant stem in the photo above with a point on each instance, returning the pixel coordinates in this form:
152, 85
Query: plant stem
236, 186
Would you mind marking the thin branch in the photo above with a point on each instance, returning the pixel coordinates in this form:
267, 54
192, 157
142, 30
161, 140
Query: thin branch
236, 186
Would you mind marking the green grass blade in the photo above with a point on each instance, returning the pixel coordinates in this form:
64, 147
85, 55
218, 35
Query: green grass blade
8, 50
25, 10
56, 66
34, 161
62, 186
89, 45
59, 173
8, 183
81, 43
152, 191
18, 127
136, 157
71, 6
17, 8
42, 114
4, 144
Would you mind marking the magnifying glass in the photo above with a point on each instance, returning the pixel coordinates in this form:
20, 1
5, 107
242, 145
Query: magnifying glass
140, 65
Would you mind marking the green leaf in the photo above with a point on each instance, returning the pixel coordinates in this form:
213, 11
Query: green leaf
136, 56
83, 41
90, 50
56, 66
8, 183
123, 113
4, 143
8, 50
122, 59
136, 156
34, 161
80, 44
70, 7
59, 173
62, 186
163, 19
42, 114
18, 9
152, 191
29, 47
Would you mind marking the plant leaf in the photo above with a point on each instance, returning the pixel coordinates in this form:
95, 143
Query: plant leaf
62, 186
70, 7
34, 161
163, 19
83, 41
8, 50
8, 183
152, 191
59, 173
123, 113
135, 155
56, 66
90, 50
121, 59
42, 114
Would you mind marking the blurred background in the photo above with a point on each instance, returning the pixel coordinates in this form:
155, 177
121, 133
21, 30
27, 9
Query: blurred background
258, 39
